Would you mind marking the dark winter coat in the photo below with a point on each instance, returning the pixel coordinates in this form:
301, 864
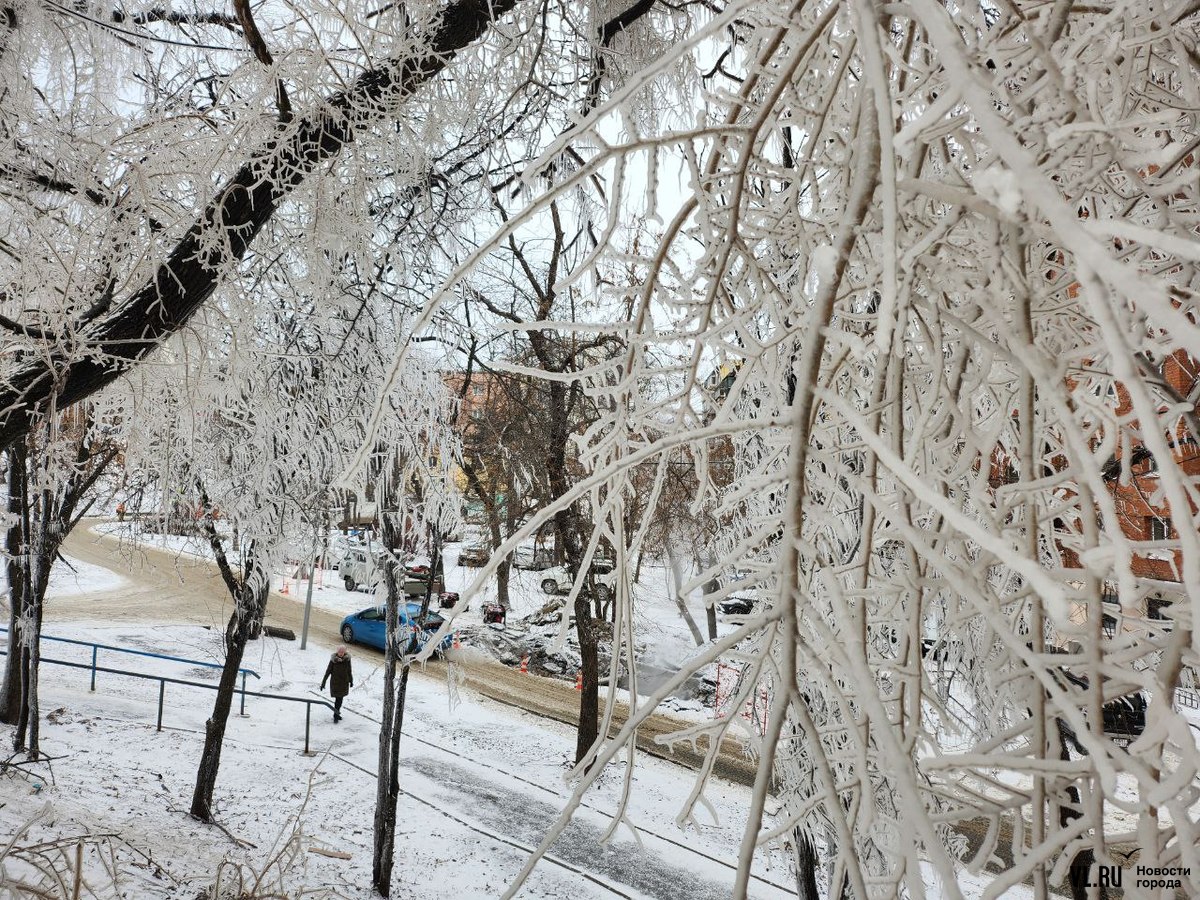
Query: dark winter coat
339, 676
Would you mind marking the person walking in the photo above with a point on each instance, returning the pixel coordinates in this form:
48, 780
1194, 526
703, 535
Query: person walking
340, 678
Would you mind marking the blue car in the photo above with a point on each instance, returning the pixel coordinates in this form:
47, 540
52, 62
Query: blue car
370, 627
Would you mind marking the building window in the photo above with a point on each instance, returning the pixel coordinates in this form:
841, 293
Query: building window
1159, 528
1156, 607
1109, 624
477, 390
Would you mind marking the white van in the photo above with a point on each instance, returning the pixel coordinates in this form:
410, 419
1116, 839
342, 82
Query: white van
359, 568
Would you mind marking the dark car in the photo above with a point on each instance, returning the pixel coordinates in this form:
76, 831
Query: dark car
736, 606
369, 627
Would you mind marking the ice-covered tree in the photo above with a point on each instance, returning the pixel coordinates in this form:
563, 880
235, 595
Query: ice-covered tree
253, 422
930, 241
948, 249
54, 477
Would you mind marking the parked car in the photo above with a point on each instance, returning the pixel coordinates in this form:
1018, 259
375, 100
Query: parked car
536, 558
359, 568
557, 580
736, 606
474, 555
369, 626
337, 548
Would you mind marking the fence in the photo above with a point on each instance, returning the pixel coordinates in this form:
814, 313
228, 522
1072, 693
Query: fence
179, 659
164, 680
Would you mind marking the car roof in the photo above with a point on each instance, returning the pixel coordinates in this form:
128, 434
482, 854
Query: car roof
412, 607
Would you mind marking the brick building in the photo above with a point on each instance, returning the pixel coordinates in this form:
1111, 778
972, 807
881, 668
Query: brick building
1143, 513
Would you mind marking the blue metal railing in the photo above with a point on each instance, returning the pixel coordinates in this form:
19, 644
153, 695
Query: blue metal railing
180, 659
164, 680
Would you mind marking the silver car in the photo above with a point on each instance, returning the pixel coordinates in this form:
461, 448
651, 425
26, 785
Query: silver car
536, 558
557, 580
359, 568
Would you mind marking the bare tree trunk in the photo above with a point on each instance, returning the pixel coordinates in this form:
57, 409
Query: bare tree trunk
677, 593
569, 534
10, 697
22, 644
589, 696
33, 544
487, 498
806, 866
30, 704
259, 608
710, 610
503, 574
249, 598
502, 570
387, 790
42, 554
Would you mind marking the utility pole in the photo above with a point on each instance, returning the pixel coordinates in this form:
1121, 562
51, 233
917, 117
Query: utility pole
312, 575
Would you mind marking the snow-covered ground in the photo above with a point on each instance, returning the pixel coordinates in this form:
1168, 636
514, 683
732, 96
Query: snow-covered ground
481, 782
80, 578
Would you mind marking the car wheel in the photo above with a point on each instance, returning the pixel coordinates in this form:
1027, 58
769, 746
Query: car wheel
549, 585
347, 634
350, 585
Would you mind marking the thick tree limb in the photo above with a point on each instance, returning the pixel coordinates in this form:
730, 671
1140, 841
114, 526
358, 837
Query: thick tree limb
172, 17
224, 231
51, 183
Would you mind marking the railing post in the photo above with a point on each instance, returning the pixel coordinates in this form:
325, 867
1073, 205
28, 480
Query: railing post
243, 693
162, 690
307, 723
94, 649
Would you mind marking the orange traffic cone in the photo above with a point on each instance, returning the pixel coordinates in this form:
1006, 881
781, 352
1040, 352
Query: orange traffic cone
284, 589
579, 680
524, 665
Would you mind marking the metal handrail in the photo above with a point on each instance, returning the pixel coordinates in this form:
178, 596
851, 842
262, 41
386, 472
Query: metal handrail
164, 680
181, 659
